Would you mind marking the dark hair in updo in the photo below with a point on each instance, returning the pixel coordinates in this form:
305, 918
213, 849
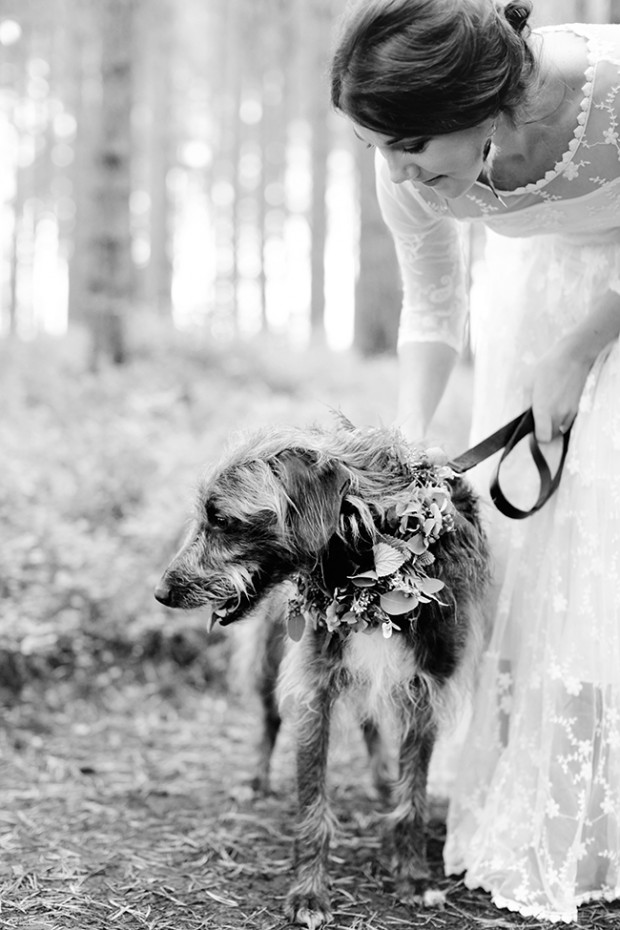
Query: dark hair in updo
421, 68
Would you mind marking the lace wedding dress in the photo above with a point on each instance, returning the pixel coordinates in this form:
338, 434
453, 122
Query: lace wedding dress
534, 814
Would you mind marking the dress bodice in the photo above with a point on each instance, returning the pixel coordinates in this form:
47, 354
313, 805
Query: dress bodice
578, 199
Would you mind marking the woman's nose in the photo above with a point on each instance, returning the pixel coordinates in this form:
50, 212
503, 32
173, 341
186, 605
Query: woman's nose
401, 167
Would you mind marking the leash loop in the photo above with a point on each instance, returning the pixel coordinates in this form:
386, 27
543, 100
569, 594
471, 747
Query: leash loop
507, 438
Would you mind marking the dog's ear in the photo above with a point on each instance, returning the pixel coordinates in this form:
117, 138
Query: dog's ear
315, 490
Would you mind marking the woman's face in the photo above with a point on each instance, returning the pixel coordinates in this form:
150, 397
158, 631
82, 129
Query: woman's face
450, 164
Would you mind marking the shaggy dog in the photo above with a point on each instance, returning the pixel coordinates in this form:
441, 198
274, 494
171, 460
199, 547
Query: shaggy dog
374, 553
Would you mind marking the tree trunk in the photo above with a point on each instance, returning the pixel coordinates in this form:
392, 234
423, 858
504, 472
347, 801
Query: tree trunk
158, 278
85, 103
110, 273
226, 81
378, 291
320, 144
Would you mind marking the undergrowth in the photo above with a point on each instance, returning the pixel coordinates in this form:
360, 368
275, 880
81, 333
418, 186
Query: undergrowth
98, 475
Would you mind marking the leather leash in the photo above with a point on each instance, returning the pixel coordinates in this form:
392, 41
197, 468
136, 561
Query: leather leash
507, 438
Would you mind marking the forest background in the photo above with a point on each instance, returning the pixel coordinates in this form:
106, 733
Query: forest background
189, 245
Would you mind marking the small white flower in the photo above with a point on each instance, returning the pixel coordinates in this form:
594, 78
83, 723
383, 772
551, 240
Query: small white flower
581, 851
559, 603
573, 686
505, 705
608, 806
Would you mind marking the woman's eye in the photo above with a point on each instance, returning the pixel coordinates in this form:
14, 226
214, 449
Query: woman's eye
414, 148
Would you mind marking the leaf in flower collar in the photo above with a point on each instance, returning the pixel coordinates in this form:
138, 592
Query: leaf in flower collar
296, 625
396, 542
395, 603
365, 579
387, 559
430, 585
417, 544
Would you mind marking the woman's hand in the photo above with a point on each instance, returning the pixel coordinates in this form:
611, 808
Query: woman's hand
557, 383
558, 378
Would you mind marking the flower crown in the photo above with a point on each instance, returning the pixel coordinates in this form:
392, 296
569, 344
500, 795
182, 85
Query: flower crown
395, 582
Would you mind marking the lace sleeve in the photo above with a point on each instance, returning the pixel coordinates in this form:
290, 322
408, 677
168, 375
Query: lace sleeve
430, 255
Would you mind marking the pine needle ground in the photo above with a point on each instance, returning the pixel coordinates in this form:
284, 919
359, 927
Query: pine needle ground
133, 811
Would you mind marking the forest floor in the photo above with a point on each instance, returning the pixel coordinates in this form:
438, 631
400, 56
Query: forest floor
124, 760
131, 809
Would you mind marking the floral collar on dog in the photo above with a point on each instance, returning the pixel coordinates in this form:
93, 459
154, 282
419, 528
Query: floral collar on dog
390, 590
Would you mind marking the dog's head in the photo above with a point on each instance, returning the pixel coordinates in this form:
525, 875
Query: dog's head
265, 513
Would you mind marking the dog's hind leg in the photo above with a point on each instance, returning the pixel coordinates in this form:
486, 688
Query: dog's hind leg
379, 763
410, 868
308, 901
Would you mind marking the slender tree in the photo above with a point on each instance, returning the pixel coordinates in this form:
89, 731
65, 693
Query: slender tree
378, 291
160, 55
110, 269
319, 110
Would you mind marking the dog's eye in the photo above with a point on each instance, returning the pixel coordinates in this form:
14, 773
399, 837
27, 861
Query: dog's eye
217, 519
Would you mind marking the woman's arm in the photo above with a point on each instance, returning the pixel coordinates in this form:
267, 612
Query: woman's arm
429, 249
559, 377
424, 369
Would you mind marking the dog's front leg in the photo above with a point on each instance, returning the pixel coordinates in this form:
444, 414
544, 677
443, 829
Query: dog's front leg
308, 901
408, 820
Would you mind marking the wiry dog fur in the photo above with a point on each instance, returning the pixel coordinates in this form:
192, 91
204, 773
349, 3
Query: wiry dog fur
280, 502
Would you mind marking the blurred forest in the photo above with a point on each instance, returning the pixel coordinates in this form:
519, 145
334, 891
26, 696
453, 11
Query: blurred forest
188, 235
180, 163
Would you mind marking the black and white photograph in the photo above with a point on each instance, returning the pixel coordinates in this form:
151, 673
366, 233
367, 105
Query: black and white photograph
309, 464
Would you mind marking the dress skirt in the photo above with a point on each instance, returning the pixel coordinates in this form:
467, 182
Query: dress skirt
534, 816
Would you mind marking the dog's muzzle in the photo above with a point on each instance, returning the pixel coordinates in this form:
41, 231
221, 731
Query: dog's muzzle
224, 610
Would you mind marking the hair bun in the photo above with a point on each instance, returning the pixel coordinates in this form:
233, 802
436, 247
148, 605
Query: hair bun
517, 13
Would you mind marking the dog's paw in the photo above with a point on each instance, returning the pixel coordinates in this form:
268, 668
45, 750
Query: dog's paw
308, 910
434, 897
419, 893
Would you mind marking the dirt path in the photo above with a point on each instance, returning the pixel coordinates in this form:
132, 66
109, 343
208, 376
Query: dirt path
134, 812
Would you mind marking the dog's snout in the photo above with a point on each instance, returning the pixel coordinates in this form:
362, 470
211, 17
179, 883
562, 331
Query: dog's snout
163, 593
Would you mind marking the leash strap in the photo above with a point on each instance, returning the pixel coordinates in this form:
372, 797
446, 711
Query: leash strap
507, 438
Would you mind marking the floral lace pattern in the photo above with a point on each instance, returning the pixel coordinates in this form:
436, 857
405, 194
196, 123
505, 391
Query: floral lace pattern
535, 811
